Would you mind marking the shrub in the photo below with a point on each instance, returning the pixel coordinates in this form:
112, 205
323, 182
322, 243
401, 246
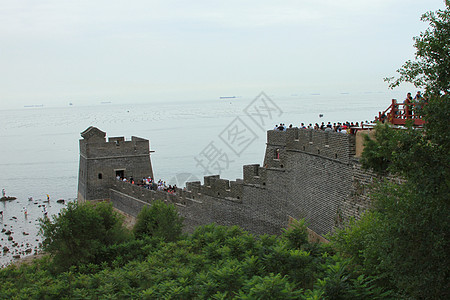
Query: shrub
78, 234
159, 220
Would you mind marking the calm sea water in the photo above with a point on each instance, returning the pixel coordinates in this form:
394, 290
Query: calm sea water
39, 146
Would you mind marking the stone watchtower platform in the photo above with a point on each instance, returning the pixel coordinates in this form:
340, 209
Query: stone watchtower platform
102, 161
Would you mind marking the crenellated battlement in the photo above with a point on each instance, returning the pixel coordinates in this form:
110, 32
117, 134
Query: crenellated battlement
255, 175
102, 161
114, 147
306, 173
328, 144
214, 186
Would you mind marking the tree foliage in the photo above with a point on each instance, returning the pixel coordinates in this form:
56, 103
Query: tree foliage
215, 262
431, 68
404, 239
296, 234
80, 232
159, 220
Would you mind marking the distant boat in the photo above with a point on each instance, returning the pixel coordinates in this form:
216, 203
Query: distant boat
227, 97
105, 102
34, 105
70, 103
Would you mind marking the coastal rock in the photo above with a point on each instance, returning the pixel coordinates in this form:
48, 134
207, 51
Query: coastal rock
25, 233
16, 256
8, 232
10, 238
3, 229
5, 249
60, 201
7, 198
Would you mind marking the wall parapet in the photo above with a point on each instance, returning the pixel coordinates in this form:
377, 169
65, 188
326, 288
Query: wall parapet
306, 173
330, 144
255, 174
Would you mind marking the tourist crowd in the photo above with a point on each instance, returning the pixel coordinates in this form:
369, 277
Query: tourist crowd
411, 106
151, 184
344, 127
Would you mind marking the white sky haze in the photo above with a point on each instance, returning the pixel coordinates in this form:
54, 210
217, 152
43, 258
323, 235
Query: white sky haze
55, 52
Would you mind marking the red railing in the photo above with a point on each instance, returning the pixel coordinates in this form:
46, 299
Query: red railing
399, 114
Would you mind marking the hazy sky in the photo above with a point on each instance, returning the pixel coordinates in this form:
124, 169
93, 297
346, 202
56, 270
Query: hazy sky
55, 52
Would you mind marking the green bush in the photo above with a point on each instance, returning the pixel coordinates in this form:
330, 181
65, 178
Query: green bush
77, 235
158, 220
296, 234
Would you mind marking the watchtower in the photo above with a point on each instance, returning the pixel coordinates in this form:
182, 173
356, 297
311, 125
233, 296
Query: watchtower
101, 162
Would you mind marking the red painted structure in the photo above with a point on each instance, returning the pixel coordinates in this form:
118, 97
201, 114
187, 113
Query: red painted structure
399, 114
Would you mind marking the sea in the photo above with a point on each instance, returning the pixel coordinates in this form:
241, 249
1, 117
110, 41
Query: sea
39, 150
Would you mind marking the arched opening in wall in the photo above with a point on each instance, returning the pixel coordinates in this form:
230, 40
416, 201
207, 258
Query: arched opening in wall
238, 197
100, 176
264, 183
218, 194
282, 166
318, 151
335, 155
277, 153
304, 148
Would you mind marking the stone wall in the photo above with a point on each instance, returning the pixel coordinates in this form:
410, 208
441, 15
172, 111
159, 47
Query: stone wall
100, 160
306, 174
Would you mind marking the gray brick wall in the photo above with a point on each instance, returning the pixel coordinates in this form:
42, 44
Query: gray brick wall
100, 159
316, 177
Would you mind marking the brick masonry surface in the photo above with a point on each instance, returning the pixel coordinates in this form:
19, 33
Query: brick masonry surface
306, 173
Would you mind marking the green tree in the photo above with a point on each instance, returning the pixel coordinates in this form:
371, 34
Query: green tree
431, 67
269, 287
403, 240
159, 220
296, 235
78, 235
